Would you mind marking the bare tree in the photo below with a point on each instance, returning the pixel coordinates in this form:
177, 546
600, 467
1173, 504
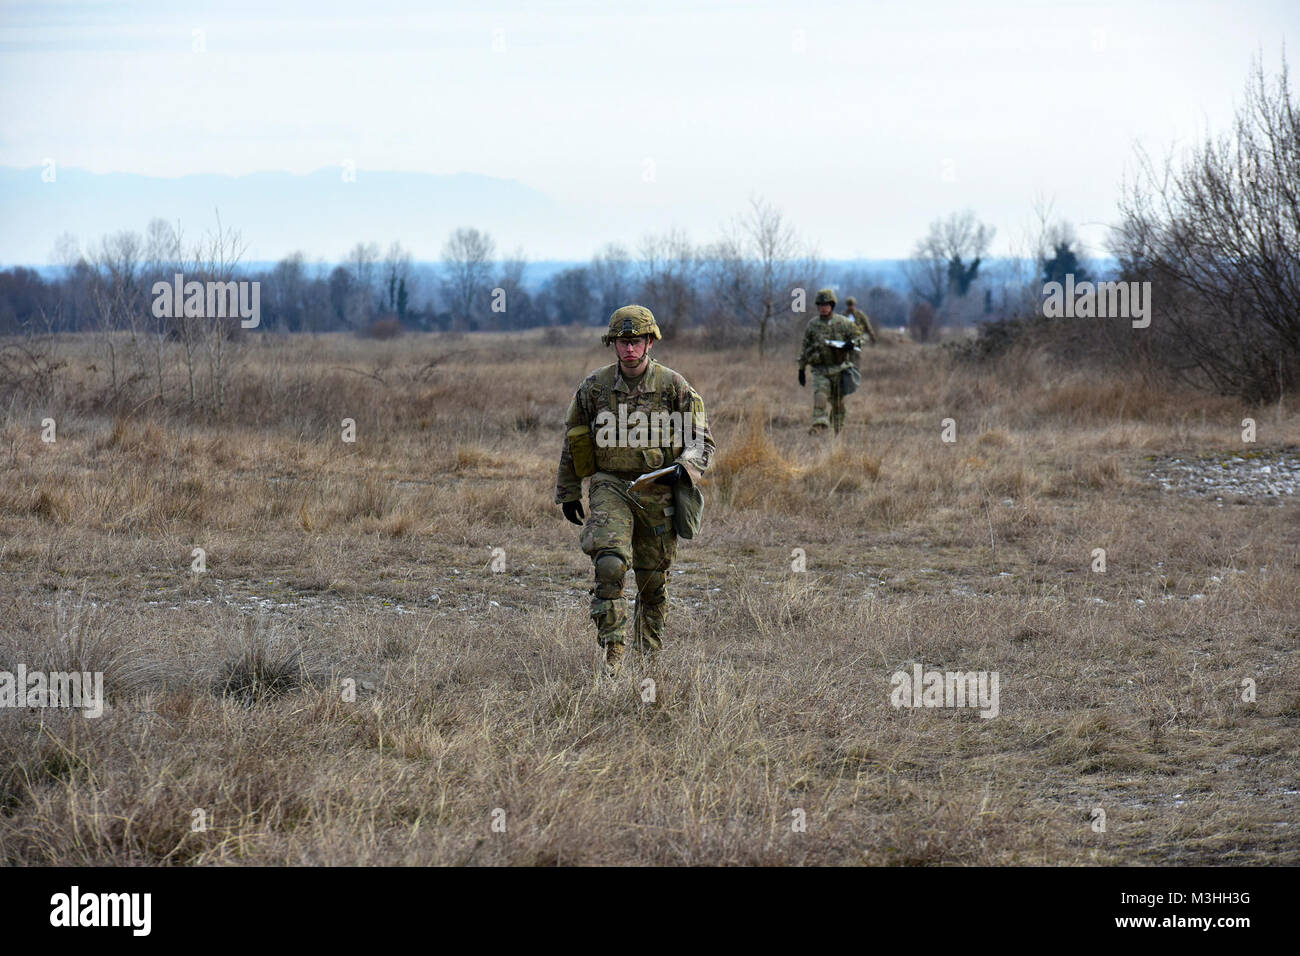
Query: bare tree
398, 282
946, 262
212, 258
363, 265
1021, 292
927, 276
162, 245
67, 251
284, 294
727, 282
771, 256
316, 305
669, 267
361, 261
72, 306
610, 277
571, 296
116, 293
886, 307
467, 274
514, 298
1218, 235
162, 258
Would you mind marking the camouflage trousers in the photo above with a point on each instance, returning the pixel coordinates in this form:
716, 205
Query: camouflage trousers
828, 403
624, 532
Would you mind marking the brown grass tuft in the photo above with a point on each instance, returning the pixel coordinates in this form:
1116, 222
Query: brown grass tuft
370, 498
50, 506
751, 471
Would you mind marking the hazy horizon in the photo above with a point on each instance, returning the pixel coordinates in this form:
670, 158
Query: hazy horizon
862, 124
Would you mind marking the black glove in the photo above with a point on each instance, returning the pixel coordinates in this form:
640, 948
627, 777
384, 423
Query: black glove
802, 380
672, 477
573, 511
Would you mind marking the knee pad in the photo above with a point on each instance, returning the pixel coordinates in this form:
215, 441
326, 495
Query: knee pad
609, 576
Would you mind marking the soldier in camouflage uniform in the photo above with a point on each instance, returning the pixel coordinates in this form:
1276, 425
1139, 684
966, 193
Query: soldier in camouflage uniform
630, 529
827, 362
860, 317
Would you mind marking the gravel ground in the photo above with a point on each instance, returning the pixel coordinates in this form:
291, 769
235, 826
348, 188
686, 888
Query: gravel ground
1269, 474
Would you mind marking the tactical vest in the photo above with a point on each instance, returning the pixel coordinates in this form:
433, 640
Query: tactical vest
655, 397
824, 356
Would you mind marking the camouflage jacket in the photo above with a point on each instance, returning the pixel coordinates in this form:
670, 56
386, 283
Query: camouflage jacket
660, 391
815, 350
864, 323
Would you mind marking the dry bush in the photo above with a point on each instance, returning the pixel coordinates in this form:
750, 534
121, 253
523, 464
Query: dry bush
751, 471
385, 328
50, 506
370, 498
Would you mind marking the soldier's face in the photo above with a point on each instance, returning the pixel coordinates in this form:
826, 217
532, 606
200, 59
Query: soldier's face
631, 351
824, 310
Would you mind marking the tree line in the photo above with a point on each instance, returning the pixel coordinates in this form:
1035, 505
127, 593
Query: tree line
744, 284
1216, 232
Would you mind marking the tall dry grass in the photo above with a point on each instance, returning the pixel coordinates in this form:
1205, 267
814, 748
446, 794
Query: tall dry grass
350, 681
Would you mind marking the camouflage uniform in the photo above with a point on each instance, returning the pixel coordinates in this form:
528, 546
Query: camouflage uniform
625, 530
827, 363
860, 317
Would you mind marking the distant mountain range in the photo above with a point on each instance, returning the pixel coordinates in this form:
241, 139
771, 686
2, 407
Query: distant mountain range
320, 213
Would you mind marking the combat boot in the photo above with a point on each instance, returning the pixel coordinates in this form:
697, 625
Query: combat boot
613, 659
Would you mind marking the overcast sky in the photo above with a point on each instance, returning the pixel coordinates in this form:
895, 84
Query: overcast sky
861, 121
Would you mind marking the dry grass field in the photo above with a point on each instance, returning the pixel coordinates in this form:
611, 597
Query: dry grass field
477, 699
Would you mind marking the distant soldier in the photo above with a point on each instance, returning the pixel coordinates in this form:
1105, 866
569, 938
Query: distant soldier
626, 420
860, 317
828, 360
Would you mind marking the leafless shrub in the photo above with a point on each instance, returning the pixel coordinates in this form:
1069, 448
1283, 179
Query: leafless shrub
386, 328
920, 321
1218, 235
28, 370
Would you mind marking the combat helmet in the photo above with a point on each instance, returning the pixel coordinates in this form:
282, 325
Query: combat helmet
631, 320
825, 297
850, 302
